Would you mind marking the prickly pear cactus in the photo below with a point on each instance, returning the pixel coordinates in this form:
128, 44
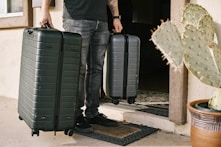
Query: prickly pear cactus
192, 14
217, 54
173, 52
199, 58
196, 47
215, 101
207, 27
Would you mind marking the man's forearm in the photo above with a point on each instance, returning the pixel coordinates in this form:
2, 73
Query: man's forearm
113, 5
46, 17
45, 5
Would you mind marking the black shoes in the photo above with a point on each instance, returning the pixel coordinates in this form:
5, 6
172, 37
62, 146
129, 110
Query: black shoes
102, 120
82, 125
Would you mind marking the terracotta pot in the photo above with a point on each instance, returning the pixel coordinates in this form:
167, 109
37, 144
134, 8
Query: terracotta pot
205, 126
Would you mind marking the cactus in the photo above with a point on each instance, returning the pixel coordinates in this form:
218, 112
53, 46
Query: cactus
196, 47
162, 38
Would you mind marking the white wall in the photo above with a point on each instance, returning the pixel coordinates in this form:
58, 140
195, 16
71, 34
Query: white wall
10, 52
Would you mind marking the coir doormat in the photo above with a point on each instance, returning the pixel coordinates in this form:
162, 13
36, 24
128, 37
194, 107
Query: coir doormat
123, 134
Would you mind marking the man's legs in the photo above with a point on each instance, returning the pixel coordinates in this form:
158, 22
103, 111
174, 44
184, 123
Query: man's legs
95, 37
98, 46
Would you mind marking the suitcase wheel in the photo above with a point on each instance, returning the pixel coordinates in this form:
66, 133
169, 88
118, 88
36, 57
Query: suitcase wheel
115, 101
20, 118
34, 131
131, 100
69, 132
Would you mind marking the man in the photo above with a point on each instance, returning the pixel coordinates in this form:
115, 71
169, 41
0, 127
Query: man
89, 19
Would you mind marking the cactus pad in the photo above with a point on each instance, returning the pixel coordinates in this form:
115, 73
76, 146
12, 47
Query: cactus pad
168, 41
192, 14
215, 101
217, 55
198, 17
198, 58
207, 27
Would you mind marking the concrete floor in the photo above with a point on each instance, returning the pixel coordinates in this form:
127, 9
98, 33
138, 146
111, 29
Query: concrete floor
15, 133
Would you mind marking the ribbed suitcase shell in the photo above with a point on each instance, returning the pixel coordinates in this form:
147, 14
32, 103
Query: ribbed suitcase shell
123, 67
49, 78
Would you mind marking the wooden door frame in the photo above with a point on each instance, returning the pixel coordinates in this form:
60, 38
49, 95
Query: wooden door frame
178, 82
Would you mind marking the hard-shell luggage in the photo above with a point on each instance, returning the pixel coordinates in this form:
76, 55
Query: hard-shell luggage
123, 67
49, 78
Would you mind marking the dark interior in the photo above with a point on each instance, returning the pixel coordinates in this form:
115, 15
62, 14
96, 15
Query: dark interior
139, 17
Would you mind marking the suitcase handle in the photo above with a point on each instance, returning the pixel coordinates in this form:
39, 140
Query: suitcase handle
116, 33
46, 26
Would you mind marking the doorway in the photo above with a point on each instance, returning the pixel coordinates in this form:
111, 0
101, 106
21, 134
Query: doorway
139, 17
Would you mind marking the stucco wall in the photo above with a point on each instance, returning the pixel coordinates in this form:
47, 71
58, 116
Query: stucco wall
10, 52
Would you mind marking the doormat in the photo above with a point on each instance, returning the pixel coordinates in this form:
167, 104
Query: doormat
157, 109
123, 134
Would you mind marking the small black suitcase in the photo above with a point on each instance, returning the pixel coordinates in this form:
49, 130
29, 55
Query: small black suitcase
123, 67
49, 78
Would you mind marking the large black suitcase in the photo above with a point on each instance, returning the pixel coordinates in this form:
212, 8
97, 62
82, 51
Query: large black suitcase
49, 78
123, 57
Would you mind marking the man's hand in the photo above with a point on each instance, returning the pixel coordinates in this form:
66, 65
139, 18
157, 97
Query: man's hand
45, 14
46, 18
113, 5
117, 26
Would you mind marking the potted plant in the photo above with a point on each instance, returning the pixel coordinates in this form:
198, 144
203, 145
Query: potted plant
196, 46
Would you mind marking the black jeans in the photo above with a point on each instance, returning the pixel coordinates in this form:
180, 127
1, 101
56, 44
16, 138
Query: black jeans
95, 37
